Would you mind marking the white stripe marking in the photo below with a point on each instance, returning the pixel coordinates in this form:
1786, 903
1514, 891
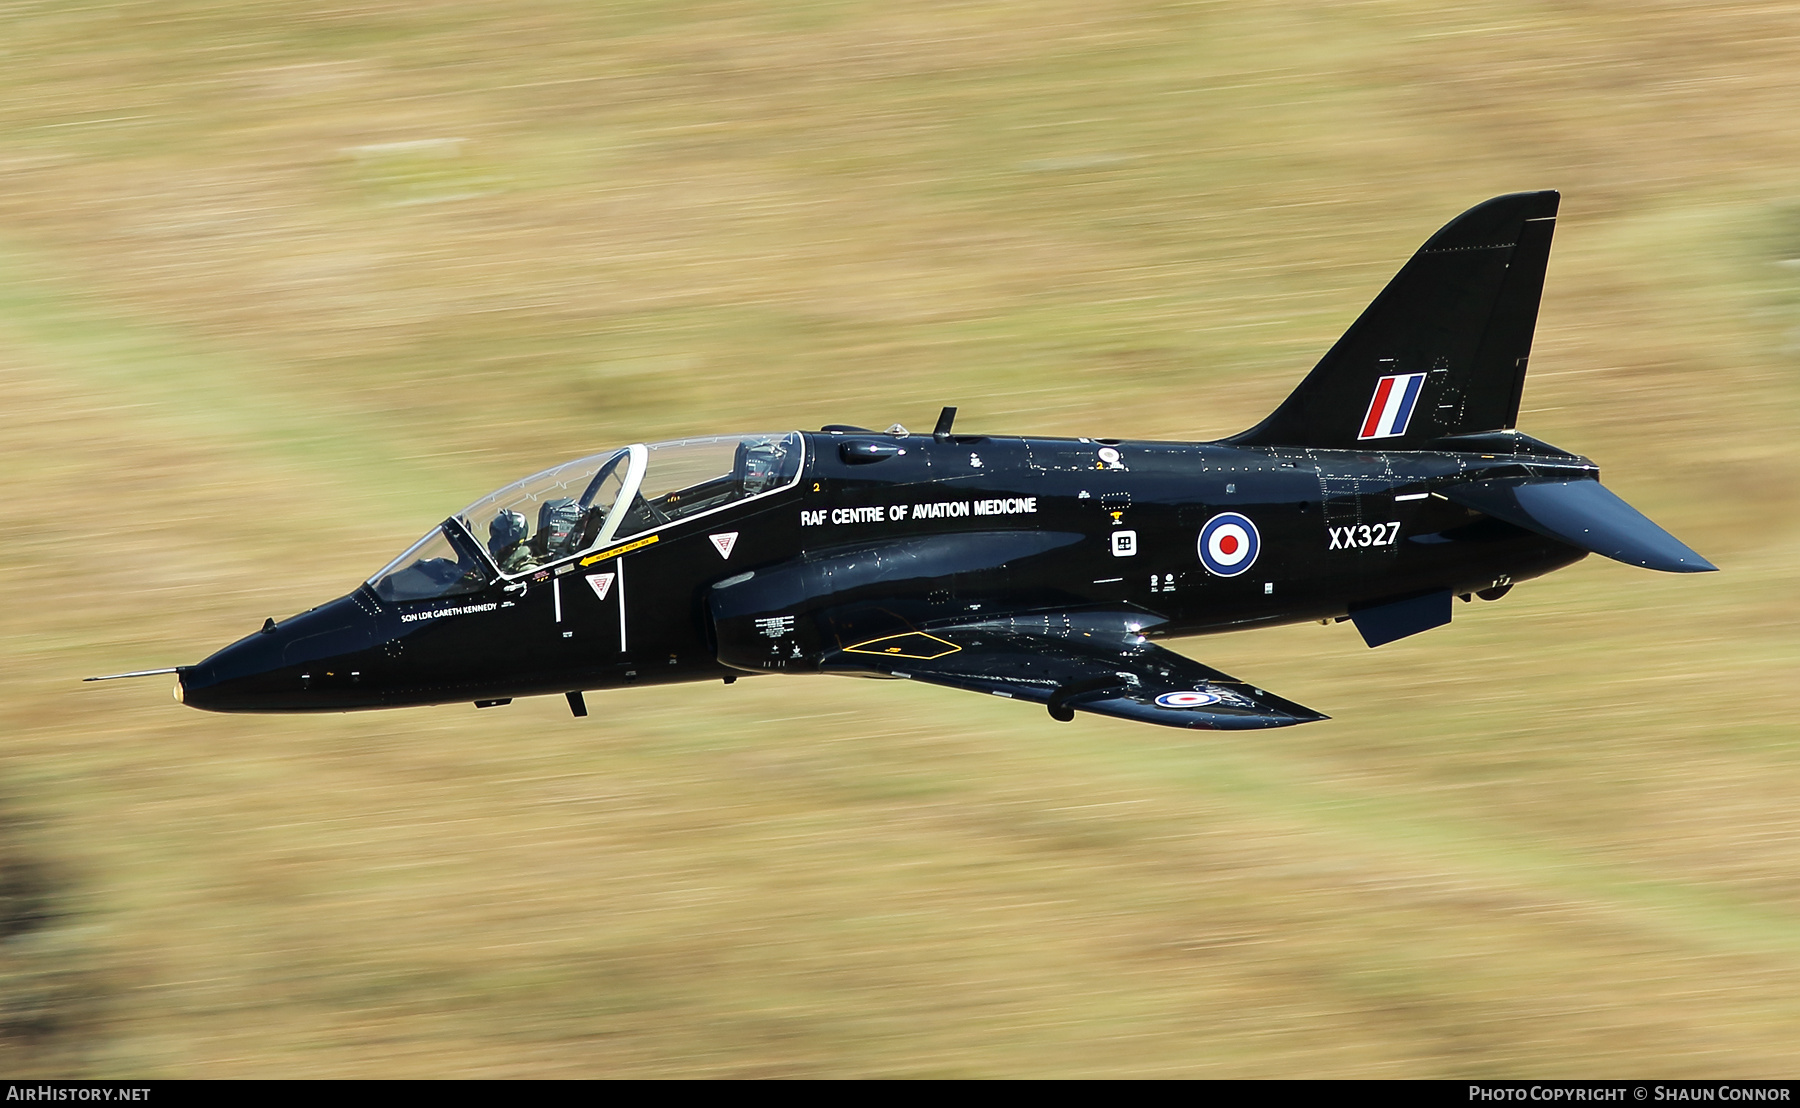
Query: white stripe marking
556, 595
1412, 496
619, 568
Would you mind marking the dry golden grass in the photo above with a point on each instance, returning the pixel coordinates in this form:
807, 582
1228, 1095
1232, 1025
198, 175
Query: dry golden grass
281, 286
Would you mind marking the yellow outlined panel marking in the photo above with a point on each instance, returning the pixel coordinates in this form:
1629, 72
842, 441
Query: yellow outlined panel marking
913, 644
618, 550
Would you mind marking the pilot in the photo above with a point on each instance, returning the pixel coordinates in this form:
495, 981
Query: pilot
557, 519
759, 461
587, 528
506, 541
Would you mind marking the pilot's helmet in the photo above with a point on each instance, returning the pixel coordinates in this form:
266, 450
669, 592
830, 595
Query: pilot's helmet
762, 460
556, 518
507, 530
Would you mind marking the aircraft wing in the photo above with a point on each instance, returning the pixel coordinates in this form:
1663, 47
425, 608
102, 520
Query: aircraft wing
1111, 673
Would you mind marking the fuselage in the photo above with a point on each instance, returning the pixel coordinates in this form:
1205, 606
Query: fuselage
963, 527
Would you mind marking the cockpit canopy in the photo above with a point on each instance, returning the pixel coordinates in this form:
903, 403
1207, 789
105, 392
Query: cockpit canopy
591, 502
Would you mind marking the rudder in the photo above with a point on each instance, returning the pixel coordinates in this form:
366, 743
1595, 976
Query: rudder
1442, 350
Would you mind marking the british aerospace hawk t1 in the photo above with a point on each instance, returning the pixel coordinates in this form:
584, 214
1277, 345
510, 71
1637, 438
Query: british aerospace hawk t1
1389, 483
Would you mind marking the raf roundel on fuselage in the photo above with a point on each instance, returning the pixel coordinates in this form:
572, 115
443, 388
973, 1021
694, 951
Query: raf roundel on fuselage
1229, 544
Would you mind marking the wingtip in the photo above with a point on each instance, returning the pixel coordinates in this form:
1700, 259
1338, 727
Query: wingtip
1695, 564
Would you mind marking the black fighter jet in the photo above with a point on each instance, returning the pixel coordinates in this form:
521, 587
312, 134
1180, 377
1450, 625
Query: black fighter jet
1389, 483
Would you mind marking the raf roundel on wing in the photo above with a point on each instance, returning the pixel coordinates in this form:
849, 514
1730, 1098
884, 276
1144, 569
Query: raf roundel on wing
1228, 544
1186, 699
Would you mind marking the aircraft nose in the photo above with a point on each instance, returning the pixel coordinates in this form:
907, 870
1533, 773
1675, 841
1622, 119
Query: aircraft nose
272, 669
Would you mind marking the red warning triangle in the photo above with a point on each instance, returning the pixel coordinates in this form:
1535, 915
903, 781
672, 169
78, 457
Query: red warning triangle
724, 542
601, 582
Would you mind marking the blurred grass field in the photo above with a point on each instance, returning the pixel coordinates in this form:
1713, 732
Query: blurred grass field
281, 285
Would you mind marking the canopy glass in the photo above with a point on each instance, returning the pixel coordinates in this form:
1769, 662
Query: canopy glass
585, 504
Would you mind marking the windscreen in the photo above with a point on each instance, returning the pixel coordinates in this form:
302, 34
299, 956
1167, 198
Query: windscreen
431, 568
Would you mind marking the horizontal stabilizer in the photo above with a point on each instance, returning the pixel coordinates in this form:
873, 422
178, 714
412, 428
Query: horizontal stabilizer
1113, 675
1584, 514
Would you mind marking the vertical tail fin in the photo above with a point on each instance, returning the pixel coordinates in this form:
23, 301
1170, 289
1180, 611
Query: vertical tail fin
1442, 350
